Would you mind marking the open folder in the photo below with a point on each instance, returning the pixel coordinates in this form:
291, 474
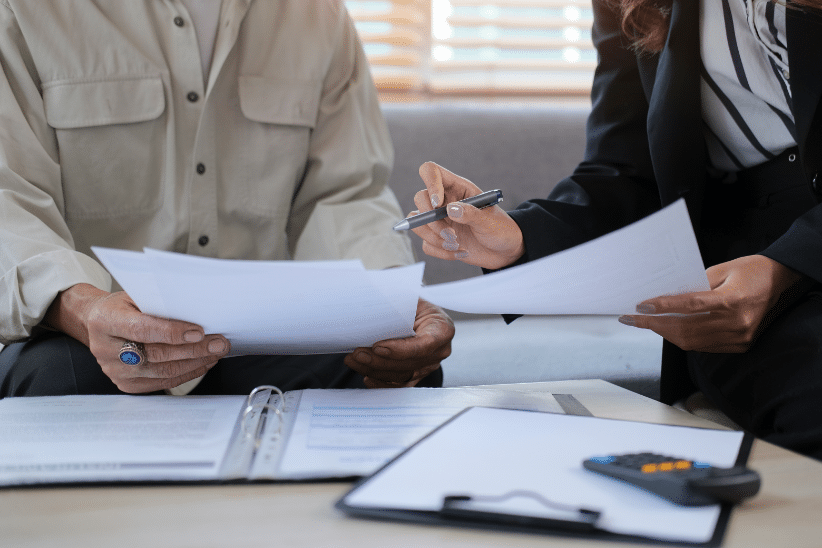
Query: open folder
308, 434
509, 469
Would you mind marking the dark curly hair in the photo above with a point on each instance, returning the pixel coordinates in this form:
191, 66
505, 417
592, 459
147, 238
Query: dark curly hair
645, 22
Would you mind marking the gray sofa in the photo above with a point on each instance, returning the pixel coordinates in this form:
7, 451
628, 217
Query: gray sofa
523, 149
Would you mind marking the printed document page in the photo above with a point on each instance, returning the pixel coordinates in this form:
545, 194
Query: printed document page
655, 256
115, 438
493, 452
340, 433
273, 307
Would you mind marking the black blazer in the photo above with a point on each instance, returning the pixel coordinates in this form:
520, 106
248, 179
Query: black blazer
646, 149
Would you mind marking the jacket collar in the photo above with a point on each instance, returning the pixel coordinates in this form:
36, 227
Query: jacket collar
232, 14
676, 137
675, 133
804, 48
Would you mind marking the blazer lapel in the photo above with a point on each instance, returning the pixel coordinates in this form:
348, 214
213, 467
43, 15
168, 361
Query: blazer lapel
805, 61
675, 131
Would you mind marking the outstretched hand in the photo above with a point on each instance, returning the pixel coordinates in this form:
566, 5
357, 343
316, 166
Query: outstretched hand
485, 237
725, 319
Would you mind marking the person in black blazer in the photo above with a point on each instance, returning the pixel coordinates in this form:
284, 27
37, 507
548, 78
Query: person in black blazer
758, 354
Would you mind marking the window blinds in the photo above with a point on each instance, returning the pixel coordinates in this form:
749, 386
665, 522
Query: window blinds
478, 46
396, 37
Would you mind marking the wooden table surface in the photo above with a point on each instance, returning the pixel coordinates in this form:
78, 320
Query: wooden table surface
786, 512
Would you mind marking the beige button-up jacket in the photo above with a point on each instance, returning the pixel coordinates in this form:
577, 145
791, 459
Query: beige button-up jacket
109, 137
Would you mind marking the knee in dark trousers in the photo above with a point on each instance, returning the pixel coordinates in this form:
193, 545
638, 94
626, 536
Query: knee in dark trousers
51, 364
240, 375
54, 364
774, 389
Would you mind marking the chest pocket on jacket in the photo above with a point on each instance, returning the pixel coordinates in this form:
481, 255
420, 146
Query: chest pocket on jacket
112, 144
275, 131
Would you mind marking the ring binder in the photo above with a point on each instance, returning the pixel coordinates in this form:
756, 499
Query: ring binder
271, 387
278, 408
267, 435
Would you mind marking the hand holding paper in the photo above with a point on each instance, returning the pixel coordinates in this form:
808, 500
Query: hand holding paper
176, 351
404, 362
289, 307
742, 292
272, 307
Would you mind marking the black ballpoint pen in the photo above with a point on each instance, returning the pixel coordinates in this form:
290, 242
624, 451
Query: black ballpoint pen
480, 201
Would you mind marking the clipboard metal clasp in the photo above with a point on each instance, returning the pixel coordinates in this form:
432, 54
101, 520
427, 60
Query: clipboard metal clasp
519, 508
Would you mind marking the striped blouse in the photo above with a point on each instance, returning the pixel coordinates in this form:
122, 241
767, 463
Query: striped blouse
746, 93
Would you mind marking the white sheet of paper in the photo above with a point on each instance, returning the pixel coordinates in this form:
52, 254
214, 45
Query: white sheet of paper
339, 433
115, 438
655, 256
492, 452
272, 307
135, 276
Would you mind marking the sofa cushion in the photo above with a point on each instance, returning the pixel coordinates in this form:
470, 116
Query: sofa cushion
522, 149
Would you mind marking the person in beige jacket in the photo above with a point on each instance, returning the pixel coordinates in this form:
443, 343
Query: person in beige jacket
240, 129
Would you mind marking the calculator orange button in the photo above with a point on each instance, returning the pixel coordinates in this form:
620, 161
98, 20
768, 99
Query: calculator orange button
666, 466
649, 468
682, 464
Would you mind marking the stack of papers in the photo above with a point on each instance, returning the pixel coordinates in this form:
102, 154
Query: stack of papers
655, 256
272, 307
290, 307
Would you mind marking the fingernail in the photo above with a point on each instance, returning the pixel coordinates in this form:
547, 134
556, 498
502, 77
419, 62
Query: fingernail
363, 357
645, 309
192, 336
455, 211
215, 346
450, 246
460, 254
434, 200
627, 320
448, 234
382, 351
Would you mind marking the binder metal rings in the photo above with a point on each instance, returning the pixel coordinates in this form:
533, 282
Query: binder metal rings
278, 408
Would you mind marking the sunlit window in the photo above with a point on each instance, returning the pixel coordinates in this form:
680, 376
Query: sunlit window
478, 46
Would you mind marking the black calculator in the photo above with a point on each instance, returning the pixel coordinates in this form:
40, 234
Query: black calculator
681, 481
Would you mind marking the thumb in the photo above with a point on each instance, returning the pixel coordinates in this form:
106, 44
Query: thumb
432, 177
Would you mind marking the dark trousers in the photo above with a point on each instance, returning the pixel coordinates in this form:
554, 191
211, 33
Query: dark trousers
53, 364
773, 390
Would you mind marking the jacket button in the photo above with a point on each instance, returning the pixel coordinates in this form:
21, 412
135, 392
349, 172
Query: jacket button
200, 168
203, 241
179, 21
192, 96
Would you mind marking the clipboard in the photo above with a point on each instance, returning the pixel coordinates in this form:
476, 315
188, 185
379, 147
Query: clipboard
510, 470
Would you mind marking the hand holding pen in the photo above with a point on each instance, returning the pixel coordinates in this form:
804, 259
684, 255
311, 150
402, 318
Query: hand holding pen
480, 201
483, 236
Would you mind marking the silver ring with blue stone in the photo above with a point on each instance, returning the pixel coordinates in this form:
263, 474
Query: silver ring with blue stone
132, 353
